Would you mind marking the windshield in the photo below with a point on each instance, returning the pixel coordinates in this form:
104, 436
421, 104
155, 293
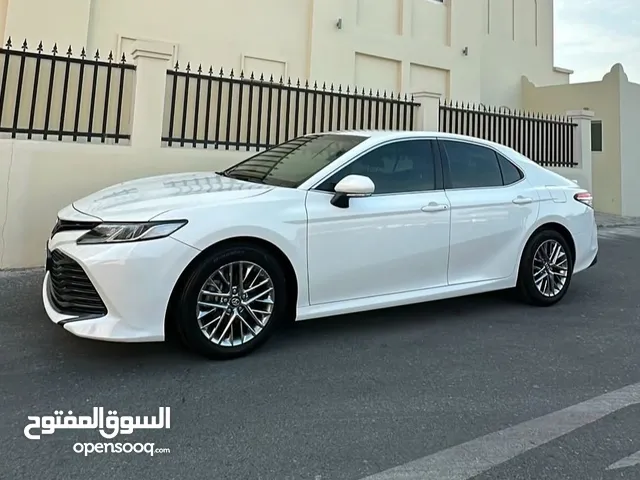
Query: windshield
292, 163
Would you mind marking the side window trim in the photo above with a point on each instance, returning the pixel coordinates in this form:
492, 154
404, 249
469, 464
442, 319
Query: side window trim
446, 167
437, 160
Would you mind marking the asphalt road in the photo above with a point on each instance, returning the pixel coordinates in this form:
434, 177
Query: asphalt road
346, 398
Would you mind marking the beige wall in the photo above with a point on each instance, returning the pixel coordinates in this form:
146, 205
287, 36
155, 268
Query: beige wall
630, 145
40, 178
603, 98
407, 45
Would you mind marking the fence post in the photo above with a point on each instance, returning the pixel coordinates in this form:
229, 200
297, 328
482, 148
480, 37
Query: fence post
152, 63
582, 143
428, 116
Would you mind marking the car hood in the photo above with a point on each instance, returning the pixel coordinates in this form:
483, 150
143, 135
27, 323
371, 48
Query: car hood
145, 198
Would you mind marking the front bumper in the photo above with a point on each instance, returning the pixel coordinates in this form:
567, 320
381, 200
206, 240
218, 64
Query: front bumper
133, 280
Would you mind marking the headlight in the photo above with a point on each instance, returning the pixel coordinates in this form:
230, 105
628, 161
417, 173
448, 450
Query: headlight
130, 232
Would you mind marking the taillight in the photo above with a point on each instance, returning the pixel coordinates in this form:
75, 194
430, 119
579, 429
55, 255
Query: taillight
584, 197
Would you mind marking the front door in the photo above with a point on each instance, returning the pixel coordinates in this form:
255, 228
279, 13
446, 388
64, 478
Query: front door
394, 241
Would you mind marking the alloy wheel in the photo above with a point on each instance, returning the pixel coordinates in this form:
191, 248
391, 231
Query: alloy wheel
235, 304
550, 268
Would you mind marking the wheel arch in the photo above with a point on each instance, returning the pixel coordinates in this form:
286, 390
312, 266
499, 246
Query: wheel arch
291, 277
556, 227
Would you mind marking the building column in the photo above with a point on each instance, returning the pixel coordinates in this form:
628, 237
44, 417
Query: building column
152, 62
582, 144
428, 114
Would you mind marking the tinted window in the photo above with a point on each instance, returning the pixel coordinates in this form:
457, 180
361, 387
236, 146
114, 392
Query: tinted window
291, 163
399, 167
510, 173
472, 166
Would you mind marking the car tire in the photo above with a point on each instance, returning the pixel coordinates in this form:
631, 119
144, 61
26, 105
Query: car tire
530, 266
186, 306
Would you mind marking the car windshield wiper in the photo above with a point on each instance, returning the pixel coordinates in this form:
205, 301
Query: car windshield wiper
241, 176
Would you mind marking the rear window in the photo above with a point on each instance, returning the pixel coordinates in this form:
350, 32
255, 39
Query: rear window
292, 163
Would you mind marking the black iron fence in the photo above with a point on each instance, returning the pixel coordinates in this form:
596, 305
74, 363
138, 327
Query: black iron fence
210, 109
60, 96
545, 139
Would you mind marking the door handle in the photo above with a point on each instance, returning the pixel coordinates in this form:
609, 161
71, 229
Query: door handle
522, 200
435, 207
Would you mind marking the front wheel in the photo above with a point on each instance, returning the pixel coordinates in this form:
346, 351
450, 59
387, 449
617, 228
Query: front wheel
231, 302
545, 270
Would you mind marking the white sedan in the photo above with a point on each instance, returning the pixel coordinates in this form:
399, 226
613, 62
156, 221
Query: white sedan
321, 225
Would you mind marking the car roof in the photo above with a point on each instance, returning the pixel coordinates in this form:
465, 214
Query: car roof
383, 135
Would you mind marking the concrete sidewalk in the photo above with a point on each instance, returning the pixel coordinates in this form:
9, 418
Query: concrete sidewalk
608, 220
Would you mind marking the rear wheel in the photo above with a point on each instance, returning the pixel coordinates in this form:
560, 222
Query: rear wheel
545, 270
231, 302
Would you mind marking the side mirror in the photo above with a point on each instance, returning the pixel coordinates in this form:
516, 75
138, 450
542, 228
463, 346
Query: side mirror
351, 186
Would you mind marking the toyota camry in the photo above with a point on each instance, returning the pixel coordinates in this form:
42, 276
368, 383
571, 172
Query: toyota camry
324, 224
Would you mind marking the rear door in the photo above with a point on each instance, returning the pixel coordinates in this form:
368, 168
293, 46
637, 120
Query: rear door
493, 206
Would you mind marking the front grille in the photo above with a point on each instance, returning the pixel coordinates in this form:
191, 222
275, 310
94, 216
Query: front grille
70, 290
69, 225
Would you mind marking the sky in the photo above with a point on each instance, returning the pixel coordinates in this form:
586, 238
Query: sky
593, 35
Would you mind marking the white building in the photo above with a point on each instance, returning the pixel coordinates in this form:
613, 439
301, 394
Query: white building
466, 50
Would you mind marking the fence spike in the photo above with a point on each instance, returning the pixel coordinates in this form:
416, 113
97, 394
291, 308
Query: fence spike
281, 80
324, 85
371, 92
231, 73
348, 90
391, 95
69, 51
251, 77
83, 53
123, 60
271, 78
412, 97
384, 94
200, 69
306, 84
40, 47
188, 69
377, 93
110, 57
55, 49
24, 45
331, 89
405, 97
298, 83
96, 57
340, 88
221, 73
8, 44
262, 77
289, 82
211, 70
315, 85
176, 67
241, 74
